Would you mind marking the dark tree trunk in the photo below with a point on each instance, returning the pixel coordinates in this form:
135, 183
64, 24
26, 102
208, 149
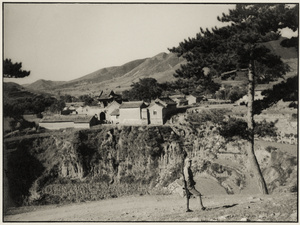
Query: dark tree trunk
250, 117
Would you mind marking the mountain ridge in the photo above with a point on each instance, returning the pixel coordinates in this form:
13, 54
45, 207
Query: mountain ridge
119, 78
161, 67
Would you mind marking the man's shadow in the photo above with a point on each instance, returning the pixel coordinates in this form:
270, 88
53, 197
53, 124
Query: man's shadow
219, 207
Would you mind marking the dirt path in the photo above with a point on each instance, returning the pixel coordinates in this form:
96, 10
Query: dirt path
282, 207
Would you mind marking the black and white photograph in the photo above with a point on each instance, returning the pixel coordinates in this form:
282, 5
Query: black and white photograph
160, 111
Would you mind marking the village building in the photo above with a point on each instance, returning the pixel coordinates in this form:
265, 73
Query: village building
127, 113
134, 112
111, 108
106, 98
114, 116
74, 104
168, 103
68, 110
179, 99
70, 121
90, 111
257, 96
85, 122
160, 109
157, 113
193, 99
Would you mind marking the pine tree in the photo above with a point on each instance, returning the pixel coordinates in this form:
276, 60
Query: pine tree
240, 45
13, 70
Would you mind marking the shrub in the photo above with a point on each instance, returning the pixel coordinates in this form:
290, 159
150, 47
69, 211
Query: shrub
271, 149
212, 115
293, 105
129, 179
102, 178
234, 128
294, 116
294, 188
265, 128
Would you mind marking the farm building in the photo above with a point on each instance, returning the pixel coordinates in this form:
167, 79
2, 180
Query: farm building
74, 104
91, 111
193, 99
111, 107
179, 99
133, 113
114, 116
244, 99
156, 113
70, 121
68, 110
106, 98
168, 103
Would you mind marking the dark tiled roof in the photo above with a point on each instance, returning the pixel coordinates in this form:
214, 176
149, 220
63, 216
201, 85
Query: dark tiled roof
137, 104
69, 118
75, 104
167, 100
177, 96
156, 103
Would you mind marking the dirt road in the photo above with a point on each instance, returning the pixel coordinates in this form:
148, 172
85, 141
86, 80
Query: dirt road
271, 208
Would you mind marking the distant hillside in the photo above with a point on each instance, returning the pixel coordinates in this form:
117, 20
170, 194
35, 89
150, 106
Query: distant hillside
108, 73
161, 67
288, 55
117, 78
13, 91
44, 84
284, 53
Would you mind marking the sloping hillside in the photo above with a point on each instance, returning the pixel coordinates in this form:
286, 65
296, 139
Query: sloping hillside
118, 78
104, 74
161, 67
13, 91
285, 53
43, 84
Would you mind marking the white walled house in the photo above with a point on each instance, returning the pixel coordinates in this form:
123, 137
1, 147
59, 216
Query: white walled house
168, 103
114, 116
244, 99
56, 125
156, 113
192, 99
70, 121
111, 108
132, 113
89, 110
92, 111
179, 99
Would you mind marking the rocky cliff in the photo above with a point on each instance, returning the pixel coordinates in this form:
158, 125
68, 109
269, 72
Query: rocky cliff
111, 161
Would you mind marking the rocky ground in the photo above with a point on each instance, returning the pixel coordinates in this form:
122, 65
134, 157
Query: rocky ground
268, 208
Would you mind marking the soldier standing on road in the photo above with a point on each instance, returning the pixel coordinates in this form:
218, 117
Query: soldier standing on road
190, 183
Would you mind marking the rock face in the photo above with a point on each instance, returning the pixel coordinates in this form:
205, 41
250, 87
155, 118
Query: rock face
112, 161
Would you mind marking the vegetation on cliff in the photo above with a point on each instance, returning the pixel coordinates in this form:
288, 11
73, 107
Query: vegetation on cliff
112, 161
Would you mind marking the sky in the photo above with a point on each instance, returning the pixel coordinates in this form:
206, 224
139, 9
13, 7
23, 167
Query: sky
62, 42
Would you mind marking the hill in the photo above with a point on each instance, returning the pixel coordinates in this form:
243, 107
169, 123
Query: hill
161, 67
288, 55
13, 91
118, 78
43, 84
285, 52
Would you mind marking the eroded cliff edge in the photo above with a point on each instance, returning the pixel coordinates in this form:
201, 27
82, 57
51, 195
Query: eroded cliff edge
111, 161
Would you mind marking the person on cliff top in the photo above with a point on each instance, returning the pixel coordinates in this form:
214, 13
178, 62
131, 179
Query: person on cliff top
190, 184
